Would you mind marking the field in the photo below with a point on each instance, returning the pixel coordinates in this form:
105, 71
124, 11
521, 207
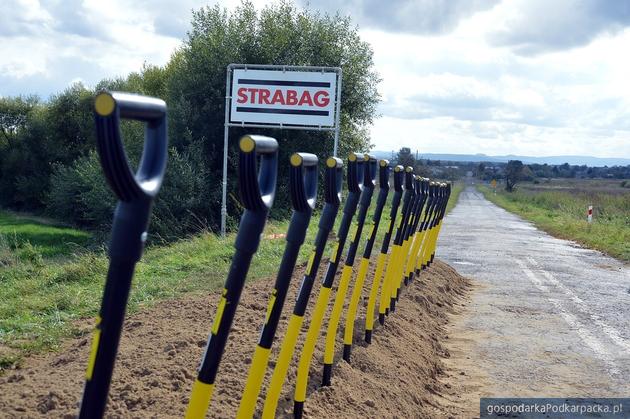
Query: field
51, 280
560, 208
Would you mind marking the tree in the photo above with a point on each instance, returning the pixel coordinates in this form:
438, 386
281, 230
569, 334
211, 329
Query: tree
513, 173
405, 158
481, 169
278, 34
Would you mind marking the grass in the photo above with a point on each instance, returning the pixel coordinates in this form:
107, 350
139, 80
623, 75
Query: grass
45, 298
559, 207
456, 189
22, 232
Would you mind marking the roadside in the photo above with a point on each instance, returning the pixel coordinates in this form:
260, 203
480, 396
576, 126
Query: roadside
547, 317
561, 212
397, 375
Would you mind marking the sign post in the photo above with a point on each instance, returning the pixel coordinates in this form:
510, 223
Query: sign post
279, 96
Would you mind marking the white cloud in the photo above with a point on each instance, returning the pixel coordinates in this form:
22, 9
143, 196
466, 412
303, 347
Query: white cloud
517, 77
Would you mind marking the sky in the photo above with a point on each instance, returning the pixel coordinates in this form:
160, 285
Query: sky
525, 77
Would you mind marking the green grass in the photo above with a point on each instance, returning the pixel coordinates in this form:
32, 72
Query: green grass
44, 299
456, 189
47, 238
559, 208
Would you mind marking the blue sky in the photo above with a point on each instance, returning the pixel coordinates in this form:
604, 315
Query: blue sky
527, 77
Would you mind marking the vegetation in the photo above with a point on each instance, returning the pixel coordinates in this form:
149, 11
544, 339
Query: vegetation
23, 237
44, 298
47, 159
560, 207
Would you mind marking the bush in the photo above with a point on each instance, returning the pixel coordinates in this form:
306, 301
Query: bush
80, 194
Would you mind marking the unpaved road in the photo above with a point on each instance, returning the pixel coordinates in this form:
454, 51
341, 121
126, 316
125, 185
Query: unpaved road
547, 319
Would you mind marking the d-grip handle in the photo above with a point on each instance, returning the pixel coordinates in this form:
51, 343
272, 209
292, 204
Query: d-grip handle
258, 187
425, 186
356, 166
409, 178
383, 174
399, 173
333, 181
370, 172
303, 181
109, 108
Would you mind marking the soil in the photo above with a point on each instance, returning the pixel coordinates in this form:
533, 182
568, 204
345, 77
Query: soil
401, 374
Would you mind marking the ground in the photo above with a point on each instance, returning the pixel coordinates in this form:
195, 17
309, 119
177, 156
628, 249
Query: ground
548, 318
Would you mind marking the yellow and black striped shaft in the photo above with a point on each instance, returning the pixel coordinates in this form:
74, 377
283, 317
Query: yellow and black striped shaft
365, 260
416, 200
446, 194
425, 227
383, 259
394, 269
417, 234
332, 195
355, 186
257, 194
369, 182
303, 175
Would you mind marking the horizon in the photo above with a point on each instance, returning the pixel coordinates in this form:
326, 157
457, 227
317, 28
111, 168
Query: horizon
490, 78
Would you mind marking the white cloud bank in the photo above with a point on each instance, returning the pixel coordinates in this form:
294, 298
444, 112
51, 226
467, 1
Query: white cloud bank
514, 77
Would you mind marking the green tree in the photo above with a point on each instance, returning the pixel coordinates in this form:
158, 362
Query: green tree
278, 34
405, 158
513, 174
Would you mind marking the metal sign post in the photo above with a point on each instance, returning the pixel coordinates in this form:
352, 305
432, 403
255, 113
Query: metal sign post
279, 96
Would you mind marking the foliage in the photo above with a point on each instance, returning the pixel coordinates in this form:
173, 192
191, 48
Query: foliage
47, 159
513, 174
405, 158
560, 209
278, 34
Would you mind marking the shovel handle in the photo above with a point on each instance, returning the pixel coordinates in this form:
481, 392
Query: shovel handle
356, 166
398, 178
258, 187
333, 181
109, 108
370, 172
303, 181
383, 174
409, 178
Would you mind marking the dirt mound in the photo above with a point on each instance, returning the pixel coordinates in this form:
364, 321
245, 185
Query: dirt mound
397, 375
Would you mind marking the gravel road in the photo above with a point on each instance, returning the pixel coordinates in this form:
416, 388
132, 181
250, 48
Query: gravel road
548, 317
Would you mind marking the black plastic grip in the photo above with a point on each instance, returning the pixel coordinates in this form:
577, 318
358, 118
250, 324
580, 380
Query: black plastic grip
356, 166
383, 174
370, 172
109, 108
303, 181
409, 178
333, 181
399, 173
258, 187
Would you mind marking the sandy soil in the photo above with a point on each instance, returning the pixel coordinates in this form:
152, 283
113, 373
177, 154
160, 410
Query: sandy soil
401, 374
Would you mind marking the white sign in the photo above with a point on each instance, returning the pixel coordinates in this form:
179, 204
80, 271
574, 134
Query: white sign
283, 97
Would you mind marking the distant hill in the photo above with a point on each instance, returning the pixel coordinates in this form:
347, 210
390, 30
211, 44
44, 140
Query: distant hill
554, 160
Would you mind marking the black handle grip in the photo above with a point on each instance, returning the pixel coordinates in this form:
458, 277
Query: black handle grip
409, 177
109, 108
383, 174
333, 180
258, 187
303, 181
399, 173
417, 184
356, 166
370, 172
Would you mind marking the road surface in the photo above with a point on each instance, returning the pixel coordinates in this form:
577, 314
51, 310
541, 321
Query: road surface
548, 318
